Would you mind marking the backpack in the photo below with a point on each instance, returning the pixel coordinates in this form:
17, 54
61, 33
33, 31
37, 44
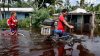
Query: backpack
8, 22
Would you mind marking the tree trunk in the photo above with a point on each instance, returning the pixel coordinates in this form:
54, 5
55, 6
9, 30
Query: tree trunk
0, 13
82, 3
8, 5
3, 13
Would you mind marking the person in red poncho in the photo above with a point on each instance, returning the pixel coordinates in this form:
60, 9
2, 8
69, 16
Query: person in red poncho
12, 23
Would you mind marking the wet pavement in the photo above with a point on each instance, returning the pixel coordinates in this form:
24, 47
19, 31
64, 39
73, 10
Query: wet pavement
33, 45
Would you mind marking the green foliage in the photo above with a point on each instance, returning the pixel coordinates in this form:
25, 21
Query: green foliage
97, 30
6, 5
24, 23
82, 3
39, 16
43, 2
98, 17
51, 9
58, 10
22, 4
97, 8
3, 23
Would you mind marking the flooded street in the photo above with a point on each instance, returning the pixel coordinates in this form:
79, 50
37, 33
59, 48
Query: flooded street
33, 45
15, 45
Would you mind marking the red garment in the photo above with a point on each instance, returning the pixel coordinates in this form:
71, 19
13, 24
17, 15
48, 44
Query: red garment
61, 24
61, 51
12, 22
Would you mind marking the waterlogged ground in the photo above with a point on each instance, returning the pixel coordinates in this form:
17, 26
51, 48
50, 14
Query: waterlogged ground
33, 45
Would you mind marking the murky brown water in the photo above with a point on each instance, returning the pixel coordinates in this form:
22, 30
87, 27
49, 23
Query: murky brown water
34, 46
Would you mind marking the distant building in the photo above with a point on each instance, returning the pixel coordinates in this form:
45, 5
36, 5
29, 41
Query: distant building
21, 12
11, 1
6, 1
82, 20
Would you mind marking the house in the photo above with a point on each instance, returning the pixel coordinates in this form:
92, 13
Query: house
82, 20
21, 12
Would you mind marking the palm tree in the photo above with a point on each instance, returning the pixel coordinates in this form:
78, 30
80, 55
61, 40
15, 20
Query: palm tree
82, 3
8, 4
68, 5
58, 3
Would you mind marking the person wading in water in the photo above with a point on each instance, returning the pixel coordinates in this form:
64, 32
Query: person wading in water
12, 22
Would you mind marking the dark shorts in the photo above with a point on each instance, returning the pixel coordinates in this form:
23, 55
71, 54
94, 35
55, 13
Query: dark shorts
14, 29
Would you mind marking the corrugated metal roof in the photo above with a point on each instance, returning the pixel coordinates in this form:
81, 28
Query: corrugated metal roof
19, 9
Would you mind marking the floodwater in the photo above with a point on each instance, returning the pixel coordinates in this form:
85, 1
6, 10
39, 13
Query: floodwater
33, 45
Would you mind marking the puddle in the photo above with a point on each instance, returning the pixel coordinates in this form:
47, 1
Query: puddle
34, 46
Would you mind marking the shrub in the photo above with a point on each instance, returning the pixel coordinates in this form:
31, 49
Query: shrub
39, 16
3, 23
24, 23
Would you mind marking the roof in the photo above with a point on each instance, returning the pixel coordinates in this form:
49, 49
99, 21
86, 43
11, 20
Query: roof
79, 10
19, 9
80, 13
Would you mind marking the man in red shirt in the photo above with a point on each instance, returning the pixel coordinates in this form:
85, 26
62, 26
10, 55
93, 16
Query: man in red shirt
12, 23
62, 22
61, 28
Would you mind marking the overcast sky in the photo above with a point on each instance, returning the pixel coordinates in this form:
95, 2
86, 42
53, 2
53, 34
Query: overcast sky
73, 2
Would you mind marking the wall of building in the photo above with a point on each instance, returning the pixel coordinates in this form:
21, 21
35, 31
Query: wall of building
20, 15
81, 23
